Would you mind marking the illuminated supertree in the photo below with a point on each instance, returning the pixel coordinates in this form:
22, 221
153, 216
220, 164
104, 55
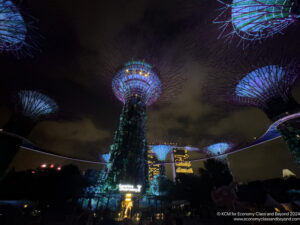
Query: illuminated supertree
256, 20
29, 108
137, 86
106, 157
13, 29
269, 88
161, 152
144, 73
219, 151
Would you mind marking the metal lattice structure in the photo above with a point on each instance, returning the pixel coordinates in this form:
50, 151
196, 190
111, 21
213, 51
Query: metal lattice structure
137, 79
255, 20
35, 105
267, 86
161, 151
13, 29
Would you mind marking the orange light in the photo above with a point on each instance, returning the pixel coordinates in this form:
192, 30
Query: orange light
52, 166
58, 168
44, 165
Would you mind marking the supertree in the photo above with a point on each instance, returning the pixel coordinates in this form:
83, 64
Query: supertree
255, 20
161, 151
269, 88
144, 73
137, 86
106, 157
13, 29
29, 107
219, 151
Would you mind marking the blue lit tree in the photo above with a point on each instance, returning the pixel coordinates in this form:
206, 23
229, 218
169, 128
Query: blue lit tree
13, 29
269, 88
106, 157
255, 20
161, 152
29, 107
219, 151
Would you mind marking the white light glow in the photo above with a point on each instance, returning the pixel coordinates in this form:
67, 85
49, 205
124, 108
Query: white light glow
130, 188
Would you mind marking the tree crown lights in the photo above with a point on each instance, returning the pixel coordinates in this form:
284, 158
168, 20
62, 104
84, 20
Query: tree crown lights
34, 105
106, 157
137, 79
219, 148
269, 88
13, 29
254, 20
161, 151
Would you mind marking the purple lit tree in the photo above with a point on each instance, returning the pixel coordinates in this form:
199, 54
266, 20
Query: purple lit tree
268, 87
147, 75
255, 20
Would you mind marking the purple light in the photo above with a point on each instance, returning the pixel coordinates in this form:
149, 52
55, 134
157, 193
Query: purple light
137, 79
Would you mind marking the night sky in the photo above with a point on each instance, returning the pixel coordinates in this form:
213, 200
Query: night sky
70, 67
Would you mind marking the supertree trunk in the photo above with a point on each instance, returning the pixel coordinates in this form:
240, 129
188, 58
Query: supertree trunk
290, 132
128, 161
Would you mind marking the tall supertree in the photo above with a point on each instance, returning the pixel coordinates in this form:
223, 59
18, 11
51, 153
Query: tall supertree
137, 86
29, 107
269, 88
255, 20
13, 28
147, 69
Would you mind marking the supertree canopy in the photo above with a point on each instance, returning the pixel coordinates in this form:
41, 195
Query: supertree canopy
219, 148
137, 86
256, 19
269, 88
161, 151
29, 108
12, 27
106, 157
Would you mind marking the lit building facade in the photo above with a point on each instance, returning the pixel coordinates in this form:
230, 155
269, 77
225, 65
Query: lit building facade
181, 163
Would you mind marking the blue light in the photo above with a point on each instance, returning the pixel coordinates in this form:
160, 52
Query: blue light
161, 151
35, 104
260, 81
12, 26
106, 157
219, 148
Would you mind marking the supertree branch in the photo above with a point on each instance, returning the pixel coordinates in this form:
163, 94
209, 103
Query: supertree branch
255, 20
35, 105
